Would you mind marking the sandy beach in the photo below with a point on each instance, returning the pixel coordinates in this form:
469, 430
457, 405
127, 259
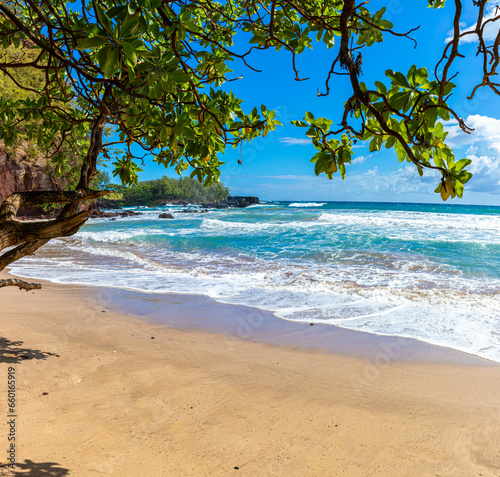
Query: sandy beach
101, 392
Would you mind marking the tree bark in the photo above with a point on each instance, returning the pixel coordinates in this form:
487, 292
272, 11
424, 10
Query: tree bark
22, 285
14, 232
27, 237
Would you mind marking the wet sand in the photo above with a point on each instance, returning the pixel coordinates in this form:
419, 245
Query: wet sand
195, 312
109, 382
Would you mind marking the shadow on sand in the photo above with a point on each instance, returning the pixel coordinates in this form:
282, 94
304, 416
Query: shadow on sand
13, 352
33, 469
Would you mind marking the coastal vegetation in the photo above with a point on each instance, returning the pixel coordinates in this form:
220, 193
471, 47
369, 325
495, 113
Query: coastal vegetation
169, 189
154, 72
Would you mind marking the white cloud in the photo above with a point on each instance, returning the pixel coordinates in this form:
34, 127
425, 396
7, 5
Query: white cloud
483, 148
490, 30
486, 170
486, 133
294, 141
403, 184
359, 160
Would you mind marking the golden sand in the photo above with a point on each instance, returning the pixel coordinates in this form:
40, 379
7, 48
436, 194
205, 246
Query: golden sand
97, 395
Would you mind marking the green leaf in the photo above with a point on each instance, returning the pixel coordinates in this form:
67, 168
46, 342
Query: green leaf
103, 18
381, 88
400, 151
112, 63
421, 75
464, 177
459, 188
438, 160
321, 163
375, 144
178, 76
346, 155
158, 90
309, 117
129, 51
91, 43
132, 7
315, 157
130, 27
103, 55
390, 142
342, 170
444, 113
448, 87
432, 115
397, 78
398, 101
131, 73
459, 165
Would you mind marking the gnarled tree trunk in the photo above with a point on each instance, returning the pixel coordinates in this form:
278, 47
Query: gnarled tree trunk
27, 237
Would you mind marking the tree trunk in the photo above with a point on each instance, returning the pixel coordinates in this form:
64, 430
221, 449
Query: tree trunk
27, 237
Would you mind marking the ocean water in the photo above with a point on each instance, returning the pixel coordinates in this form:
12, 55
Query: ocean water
424, 271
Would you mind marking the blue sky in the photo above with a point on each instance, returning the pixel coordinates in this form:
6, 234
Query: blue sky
277, 167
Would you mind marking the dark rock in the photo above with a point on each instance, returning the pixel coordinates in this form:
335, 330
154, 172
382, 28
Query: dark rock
165, 216
192, 211
35, 213
107, 204
99, 214
234, 201
215, 206
241, 201
128, 213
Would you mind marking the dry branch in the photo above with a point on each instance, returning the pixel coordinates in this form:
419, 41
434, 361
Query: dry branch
22, 285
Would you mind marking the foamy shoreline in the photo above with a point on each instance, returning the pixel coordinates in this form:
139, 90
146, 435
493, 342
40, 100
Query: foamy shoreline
253, 324
421, 273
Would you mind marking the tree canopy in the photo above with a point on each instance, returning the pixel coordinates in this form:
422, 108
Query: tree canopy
157, 73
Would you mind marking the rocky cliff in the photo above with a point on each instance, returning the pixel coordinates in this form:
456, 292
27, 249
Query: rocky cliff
20, 175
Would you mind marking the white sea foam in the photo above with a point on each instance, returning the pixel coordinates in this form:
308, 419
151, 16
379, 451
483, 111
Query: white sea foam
242, 228
442, 227
442, 316
379, 291
236, 227
263, 203
306, 204
117, 235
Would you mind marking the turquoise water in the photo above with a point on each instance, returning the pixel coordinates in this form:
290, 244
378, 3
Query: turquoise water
425, 271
